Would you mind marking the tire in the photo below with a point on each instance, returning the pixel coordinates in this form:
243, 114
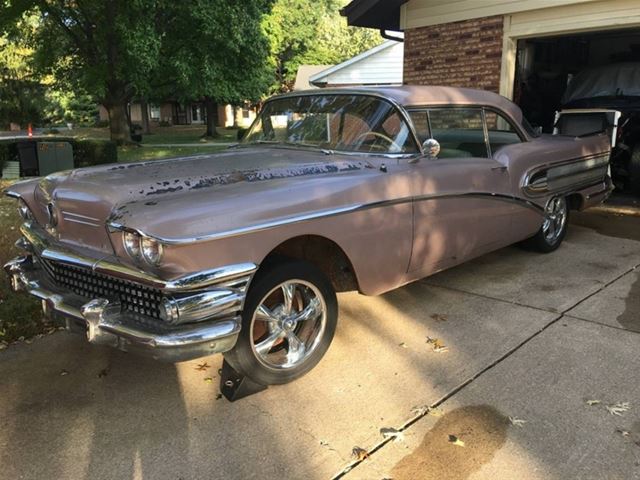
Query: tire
554, 226
273, 347
634, 170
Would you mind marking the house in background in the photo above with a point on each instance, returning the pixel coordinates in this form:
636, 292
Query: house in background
381, 65
190, 113
526, 50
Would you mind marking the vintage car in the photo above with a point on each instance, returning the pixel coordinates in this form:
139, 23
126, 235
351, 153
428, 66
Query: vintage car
242, 252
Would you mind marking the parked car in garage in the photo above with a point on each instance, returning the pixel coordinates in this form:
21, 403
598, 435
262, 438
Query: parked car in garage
607, 98
242, 252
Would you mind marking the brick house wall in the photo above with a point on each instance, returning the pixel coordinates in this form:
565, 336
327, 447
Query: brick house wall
458, 54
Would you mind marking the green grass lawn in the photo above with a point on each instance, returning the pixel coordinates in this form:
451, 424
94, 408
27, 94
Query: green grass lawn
20, 314
137, 154
176, 134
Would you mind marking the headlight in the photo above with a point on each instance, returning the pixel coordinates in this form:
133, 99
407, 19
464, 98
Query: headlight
132, 244
24, 211
151, 250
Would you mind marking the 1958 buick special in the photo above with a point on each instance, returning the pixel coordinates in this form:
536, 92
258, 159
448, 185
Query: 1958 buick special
243, 252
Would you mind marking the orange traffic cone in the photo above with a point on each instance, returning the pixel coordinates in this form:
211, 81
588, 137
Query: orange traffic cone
30, 131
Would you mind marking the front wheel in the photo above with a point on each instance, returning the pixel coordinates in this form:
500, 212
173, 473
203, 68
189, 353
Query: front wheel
554, 226
288, 322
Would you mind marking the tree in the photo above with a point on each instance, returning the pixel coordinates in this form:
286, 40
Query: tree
107, 48
311, 32
215, 51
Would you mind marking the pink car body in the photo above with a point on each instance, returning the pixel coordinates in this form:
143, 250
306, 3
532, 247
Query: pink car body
370, 221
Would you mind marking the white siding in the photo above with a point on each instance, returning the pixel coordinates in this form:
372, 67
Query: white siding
384, 67
421, 13
600, 15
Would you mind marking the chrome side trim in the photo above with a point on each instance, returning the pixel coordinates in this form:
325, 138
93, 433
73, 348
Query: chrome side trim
328, 214
565, 171
238, 273
81, 219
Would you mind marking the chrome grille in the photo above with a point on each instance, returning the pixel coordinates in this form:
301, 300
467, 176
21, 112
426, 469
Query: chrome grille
86, 283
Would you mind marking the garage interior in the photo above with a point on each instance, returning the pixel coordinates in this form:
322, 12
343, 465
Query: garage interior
545, 65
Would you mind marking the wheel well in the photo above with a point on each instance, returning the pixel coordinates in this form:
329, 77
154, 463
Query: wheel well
574, 201
324, 254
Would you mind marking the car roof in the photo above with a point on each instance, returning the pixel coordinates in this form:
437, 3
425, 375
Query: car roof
411, 96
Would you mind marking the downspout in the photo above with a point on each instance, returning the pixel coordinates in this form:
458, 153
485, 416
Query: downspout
386, 36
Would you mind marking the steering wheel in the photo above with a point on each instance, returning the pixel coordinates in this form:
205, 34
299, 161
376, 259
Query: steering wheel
371, 133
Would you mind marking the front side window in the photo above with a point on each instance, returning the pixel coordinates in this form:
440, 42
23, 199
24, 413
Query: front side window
350, 123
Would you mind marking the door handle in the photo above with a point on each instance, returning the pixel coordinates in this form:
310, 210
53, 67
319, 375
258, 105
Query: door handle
501, 169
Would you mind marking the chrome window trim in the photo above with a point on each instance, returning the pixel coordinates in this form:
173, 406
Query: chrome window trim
346, 92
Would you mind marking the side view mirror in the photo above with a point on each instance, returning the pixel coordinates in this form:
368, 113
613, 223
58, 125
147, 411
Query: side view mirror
431, 148
241, 132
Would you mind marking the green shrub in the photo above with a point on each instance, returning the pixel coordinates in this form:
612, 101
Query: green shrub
89, 152
8, 152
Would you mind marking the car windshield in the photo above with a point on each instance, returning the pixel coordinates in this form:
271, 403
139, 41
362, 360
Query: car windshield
341, 122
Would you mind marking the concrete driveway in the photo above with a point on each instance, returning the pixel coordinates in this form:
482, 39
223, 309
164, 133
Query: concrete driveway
549, 340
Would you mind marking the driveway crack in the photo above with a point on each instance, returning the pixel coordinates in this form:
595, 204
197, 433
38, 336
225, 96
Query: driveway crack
560, 315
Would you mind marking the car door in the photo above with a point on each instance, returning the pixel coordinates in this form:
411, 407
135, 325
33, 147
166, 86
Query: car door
461, 197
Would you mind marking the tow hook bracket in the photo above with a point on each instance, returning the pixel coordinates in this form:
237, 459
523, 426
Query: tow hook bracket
235, 386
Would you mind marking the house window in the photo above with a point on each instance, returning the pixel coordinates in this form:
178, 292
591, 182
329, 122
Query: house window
154, 112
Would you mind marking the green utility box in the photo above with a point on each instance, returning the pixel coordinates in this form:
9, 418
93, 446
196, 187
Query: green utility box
54, 157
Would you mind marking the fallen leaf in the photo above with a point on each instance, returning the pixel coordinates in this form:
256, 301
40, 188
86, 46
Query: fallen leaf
439, 317
403, 345
63, 373
218, 396
619, 408
359, 454
437, 345
624, 433
517, 422
456, 441
208, 380
103, 373
593, 402
392, 433
203, 366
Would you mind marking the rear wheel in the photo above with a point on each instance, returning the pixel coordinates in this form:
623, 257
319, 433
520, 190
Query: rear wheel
288, 322
554, 226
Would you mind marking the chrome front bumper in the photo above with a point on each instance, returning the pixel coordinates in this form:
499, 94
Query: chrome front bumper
218, 302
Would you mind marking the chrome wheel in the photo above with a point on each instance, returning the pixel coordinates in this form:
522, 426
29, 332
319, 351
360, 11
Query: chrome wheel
555, 217
288, 324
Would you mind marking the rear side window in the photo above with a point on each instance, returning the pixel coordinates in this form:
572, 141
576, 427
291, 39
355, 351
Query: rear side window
461, 130
501, 131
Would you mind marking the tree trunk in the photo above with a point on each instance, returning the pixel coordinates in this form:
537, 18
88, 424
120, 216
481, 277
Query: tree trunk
118, 123
237, 112
212, 117
146, 126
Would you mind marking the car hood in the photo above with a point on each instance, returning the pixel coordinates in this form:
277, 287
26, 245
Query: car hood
196, 196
